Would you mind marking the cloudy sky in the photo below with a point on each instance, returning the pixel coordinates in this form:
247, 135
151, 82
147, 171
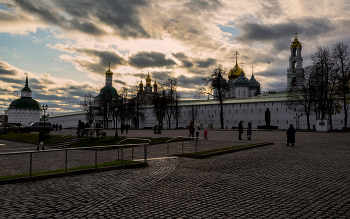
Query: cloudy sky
65, 46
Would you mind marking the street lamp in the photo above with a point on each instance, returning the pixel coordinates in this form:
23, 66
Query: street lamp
5, 111
211, 124
116, 124
44, 108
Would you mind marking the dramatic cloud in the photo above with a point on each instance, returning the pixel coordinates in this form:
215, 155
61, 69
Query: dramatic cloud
150, 59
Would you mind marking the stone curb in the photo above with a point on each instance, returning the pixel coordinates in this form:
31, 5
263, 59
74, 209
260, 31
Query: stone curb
71, 173
222, 152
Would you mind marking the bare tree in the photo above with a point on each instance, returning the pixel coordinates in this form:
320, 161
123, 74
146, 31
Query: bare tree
87, 105
170, 86
159, 106
341, 59
216, 82
302, 99
193, 113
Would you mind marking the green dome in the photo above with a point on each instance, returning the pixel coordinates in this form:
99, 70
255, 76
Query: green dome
25, 103
27, 89
110, 90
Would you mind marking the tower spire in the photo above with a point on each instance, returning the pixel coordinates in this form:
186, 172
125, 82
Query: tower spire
236, 54
252, 69
26, 78
109, 65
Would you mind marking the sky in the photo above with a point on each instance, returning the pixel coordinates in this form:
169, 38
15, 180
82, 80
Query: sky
64, 46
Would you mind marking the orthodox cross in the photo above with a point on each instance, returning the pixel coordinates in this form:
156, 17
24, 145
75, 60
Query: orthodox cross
236, 54
109, 65
242, 64
252, 68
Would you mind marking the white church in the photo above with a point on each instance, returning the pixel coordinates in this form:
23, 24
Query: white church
240, 104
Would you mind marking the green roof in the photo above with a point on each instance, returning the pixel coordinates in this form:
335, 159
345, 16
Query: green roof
25, 103
108, 90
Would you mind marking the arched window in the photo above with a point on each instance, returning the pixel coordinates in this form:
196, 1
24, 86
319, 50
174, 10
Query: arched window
294, 81
295, 51
294, 65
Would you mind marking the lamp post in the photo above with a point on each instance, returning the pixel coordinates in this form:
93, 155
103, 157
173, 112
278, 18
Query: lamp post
5, 111
44, 108
116, 124
211, 123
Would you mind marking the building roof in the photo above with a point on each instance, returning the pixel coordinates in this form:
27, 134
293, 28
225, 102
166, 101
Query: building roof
25, 103
242, 80
235, 72
67, 114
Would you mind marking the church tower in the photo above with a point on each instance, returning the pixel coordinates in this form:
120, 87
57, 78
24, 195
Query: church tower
295, 71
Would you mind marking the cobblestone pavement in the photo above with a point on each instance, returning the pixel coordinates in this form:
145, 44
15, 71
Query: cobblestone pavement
309, 180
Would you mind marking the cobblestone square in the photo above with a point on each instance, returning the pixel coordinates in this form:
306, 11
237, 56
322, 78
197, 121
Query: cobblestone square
309, 180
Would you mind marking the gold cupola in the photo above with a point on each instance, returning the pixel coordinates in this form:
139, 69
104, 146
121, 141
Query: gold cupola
296, 42
109, 72
235, 72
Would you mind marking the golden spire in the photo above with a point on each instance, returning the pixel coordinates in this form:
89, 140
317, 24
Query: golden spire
148, 80
296, 42
155, 82
109, 72
141, 84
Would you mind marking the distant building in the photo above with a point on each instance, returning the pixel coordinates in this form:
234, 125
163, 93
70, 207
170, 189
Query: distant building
25, 109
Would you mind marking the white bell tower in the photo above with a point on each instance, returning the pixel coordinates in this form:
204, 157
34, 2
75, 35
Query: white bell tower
295, 71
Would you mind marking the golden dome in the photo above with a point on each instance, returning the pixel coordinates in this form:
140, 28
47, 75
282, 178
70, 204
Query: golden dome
109, 72
155, 82
235, 72
296, 42
141, 84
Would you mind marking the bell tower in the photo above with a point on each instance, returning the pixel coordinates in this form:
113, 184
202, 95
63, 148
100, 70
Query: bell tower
295, 71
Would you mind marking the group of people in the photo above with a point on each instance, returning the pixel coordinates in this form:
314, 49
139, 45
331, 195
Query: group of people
195, 127
88, 129
57, 127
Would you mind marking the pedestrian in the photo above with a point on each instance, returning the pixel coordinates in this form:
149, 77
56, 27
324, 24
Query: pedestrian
191, 129
56, 127
159, 129
92, 126
41, 140
290, 135
240, 130
60, 127
81, 127
197, 127
155, 129
249, 131
205, 134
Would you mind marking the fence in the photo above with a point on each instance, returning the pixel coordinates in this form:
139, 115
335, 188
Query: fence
48, 158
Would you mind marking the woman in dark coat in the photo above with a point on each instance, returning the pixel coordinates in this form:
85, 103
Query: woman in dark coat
290, 135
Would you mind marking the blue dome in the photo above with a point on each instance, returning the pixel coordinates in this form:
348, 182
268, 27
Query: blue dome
253, 83
241, 81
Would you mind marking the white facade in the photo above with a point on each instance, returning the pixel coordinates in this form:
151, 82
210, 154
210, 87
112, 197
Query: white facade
24, 116
68, 120
246, 110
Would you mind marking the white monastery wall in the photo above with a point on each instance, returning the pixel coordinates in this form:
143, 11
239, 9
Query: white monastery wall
24, 116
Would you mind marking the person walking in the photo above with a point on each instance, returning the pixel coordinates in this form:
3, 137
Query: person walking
191, 129
60, 127
41, 140
197, 127
249, 131
205, 134
240, 130
290, 135
56, 127
81, 127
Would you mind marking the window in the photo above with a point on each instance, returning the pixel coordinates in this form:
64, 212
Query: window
294, 64
277, 110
